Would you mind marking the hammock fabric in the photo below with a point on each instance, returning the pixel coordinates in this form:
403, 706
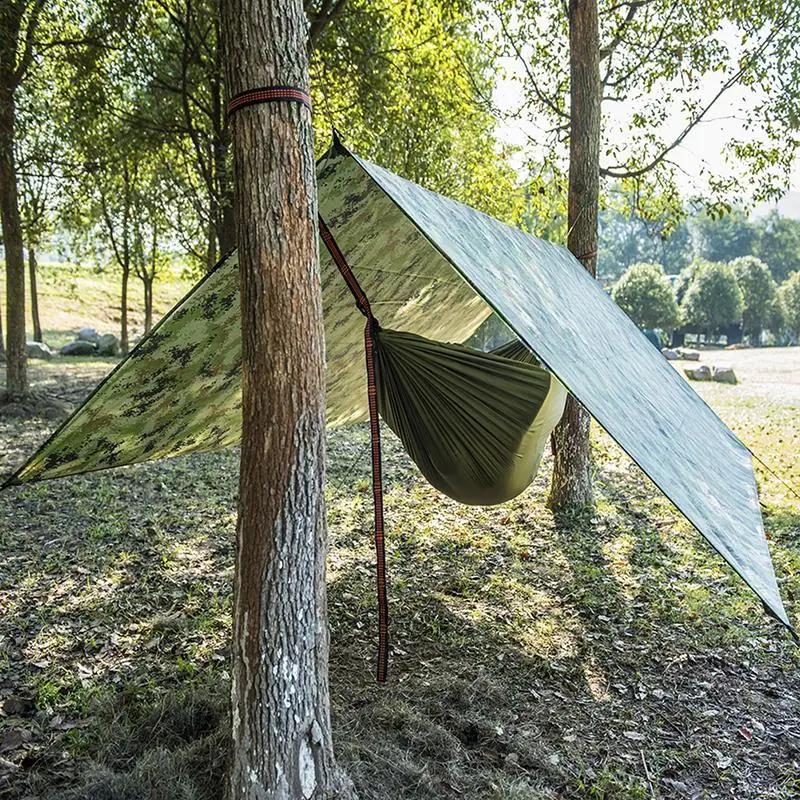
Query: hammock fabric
474, 423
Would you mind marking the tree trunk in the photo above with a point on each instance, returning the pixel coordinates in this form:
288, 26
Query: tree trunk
211, 248
147, 282
123, 313
37, 325
2, 340
572, 479
227, 230
281, 745
16, 366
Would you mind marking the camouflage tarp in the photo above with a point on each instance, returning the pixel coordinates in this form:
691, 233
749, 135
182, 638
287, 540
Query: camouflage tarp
436, 268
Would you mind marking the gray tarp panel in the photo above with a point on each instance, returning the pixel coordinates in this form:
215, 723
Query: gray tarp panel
544, 294
433, 267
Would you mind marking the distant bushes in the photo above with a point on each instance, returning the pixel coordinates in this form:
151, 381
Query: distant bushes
645, 295
712, 297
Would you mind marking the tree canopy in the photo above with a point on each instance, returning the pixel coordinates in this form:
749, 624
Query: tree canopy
645, 295
759, 295
713, 300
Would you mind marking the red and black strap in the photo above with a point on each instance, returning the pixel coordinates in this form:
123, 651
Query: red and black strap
268, 94
375, 441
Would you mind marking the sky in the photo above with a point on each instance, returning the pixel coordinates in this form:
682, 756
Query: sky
702, 148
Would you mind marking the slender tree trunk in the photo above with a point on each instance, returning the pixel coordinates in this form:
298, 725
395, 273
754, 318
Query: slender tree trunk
123, 313
211, 247
37, 325
147, 283
281, 736
16, 366
2, 340
572, 479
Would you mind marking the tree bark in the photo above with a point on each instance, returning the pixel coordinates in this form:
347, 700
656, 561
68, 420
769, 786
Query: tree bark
37, 325
572, 480
147, 283
16, 361
123, 310
281, 745
211, 247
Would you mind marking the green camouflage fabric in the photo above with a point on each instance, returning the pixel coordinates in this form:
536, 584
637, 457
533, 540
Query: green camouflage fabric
179, 390
436, 268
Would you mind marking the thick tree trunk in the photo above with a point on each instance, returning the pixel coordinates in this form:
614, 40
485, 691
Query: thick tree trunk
281, 734
16, 366
572, 480
123, 310
37, 325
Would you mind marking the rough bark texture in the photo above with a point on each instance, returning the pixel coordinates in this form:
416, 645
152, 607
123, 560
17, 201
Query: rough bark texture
16, 367
572, 481
281, 735
37, 324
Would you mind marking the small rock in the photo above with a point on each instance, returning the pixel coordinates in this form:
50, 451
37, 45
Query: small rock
88, 335
38, 350
699, 373
107, 345
725, 375
669, 354
79, 348
687, 354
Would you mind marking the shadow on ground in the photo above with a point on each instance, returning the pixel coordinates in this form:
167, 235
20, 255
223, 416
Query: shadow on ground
603, 655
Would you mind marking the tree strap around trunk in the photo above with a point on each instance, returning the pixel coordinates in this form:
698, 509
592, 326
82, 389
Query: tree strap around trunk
375, 441
268, 94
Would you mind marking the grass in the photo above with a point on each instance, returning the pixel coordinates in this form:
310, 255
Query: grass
73, 296
602, 656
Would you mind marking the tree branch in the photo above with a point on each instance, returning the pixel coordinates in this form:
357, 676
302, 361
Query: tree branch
615, 172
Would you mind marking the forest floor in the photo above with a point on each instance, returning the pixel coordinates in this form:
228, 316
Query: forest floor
608, 656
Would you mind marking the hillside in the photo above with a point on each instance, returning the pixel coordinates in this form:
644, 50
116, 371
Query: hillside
72, 297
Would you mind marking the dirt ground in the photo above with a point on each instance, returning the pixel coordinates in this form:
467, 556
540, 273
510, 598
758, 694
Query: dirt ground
604, 655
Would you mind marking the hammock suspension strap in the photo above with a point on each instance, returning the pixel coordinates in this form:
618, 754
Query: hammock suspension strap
370, 329
268, 94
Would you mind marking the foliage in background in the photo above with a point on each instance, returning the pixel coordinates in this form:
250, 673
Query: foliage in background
407, 85
779, 244
645, 295
657, 58
627, 238
760, 309
713, 299
790, 300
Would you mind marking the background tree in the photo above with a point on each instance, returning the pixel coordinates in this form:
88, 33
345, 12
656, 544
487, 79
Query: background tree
645, 295
790, 300
759, 293
779, 244
723, 236
713, 299
649, 55
41, 154
18, 28
281, 736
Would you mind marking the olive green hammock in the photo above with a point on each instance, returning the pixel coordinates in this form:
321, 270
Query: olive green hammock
475, 423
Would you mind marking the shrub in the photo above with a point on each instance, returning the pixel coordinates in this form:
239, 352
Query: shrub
645, 295
713, 299
790, 300
759, 292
